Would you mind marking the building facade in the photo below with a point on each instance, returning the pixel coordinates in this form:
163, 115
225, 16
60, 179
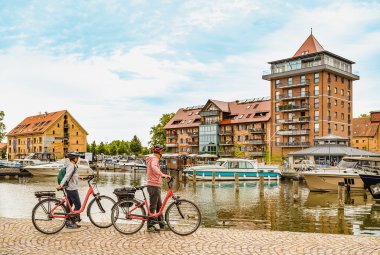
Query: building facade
366, 133
225, 129
56, 132
311, 97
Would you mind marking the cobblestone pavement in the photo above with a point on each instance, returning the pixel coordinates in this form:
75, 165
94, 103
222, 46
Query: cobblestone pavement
18, 236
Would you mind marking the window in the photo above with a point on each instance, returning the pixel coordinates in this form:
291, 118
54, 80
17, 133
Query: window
316, 115
53, 132
316, 127
316, 90
316, 102
335, 102
342, 92
335, 90
290, 81
249, 115
277, 83
342, 128
342, 80
349, 84
342, 103
302, 79
277, 95
335, 127
316, 77
290, 93
335, 115
342, 116
241, 116
335, 77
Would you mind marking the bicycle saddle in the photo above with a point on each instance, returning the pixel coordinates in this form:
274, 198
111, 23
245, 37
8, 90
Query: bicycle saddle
141, 187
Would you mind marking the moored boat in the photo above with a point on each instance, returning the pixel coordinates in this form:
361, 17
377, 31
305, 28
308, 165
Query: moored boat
372, 184
225, 169
51, 169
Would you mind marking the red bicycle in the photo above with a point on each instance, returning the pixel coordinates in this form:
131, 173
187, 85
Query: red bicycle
49, 214
128, 215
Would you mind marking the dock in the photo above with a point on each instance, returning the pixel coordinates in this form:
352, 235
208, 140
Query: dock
7, 172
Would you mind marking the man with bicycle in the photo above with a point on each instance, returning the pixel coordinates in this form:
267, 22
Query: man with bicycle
70, 183
154, 181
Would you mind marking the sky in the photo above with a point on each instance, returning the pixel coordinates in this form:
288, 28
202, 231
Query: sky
117, 66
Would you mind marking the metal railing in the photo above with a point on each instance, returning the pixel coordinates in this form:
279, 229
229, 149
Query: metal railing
224, 143
171, 135
294, 120
294, 132
293, 84
293, 144
294, 95
256, 141
227, 132
290, 107
171, 145
256, 130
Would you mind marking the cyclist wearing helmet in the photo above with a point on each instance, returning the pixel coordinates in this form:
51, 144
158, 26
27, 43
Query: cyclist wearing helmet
71, 187
154, 181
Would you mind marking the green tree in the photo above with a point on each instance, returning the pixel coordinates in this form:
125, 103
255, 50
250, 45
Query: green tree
135, 146
113, 149
101, 149
93, 147
237, 151
145, 151
157, 132
364, 115
2, 126
124, 147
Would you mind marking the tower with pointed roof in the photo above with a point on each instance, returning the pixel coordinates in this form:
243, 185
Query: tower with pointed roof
311, 96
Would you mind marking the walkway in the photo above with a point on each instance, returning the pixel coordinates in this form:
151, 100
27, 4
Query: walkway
18, 236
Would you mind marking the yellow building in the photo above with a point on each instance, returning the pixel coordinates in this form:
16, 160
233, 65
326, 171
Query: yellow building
56, 132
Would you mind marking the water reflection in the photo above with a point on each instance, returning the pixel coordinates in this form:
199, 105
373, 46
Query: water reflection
271, 206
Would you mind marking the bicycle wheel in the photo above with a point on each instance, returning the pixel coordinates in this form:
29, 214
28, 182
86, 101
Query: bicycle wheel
99, 211
40, 216
120, 219
183, 217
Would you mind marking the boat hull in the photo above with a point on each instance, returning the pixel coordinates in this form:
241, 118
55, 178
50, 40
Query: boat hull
230, 175
54, 171
372, 184
329, 182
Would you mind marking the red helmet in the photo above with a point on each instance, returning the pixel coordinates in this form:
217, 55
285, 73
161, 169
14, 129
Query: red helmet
158, 149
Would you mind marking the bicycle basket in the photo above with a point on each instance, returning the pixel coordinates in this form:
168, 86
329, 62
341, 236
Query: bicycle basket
127, 193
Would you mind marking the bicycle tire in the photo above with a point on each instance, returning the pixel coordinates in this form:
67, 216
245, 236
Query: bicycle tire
181, 213
51, 202
123, 224
104, 220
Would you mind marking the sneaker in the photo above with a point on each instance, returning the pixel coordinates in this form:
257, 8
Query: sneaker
164, 228
153, 229
72, 225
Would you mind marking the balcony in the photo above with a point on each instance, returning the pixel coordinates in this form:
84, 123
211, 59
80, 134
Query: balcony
226, 132
298, 83
193, 134
256, 141
256, 130
193, 144
294, 95
226, 143
293, 144
209, 113
256, 153
171, 145
171, 135
292, 108
294, 132
301, 119
226, 153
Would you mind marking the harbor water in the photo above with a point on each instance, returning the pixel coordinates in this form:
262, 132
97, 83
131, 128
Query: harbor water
224, 207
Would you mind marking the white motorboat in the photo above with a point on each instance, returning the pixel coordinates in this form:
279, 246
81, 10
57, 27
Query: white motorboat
225, 169
51, 169
347, 171
137, 164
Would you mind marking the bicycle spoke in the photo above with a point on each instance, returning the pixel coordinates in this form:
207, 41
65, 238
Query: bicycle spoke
41, 216
183, 218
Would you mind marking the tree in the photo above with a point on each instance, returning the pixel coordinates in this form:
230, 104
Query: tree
101, 149
2, 126
158, 132
364, 115
124, 147
93, 147
237, 151
135, 145
113, 149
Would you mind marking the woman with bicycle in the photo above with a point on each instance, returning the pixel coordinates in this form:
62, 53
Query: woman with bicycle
70, 184
154, 181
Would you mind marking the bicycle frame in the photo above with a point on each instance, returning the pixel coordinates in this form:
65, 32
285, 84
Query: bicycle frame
66, 199
150, 215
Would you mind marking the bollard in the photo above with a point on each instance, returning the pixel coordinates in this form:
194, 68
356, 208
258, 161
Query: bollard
341, 194
261, 185
295, 189
180, 175
194, 176
213, 177
236, 182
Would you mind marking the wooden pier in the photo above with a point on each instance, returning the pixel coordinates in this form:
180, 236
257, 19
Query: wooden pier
8, 172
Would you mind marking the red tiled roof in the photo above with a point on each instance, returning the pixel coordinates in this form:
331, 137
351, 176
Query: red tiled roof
256, 111
311, 45
364, 127
36, 124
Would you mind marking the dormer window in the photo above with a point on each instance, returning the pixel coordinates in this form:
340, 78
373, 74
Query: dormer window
305, 52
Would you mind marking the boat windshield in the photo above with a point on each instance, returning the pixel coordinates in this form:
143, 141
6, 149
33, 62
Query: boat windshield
219, 162
347, 164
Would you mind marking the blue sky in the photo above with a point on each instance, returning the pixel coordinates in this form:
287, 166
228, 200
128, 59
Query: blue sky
118, 65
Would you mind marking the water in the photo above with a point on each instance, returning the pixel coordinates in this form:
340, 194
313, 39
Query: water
221, 206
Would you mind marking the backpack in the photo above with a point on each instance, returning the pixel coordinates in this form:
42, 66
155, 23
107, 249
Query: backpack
62, 173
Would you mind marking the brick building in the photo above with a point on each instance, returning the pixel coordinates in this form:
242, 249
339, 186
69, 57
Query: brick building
56, 132
366, 133
311, 96
226, 129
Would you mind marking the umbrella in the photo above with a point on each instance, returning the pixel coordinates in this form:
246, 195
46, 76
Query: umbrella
207, 156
